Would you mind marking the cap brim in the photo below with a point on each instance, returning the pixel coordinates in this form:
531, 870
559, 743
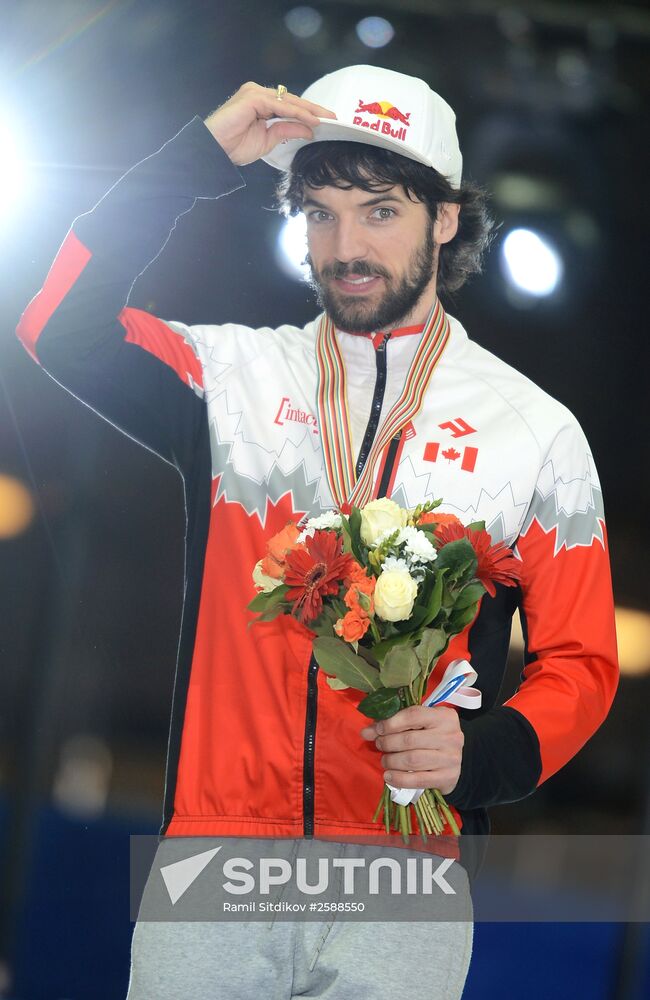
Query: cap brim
281, 156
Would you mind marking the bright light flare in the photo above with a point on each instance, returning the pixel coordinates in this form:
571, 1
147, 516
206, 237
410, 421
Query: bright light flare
531, 263
375, 32
303, 22
11, 170
292, 247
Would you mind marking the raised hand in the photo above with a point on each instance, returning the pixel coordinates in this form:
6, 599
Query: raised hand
239, 125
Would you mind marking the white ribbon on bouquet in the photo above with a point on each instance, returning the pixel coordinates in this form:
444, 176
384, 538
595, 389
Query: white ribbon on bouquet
455, 688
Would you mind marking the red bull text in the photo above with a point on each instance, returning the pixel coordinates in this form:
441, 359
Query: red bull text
386, 111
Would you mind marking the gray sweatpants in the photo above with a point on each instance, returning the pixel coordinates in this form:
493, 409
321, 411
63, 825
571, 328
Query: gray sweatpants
281, 959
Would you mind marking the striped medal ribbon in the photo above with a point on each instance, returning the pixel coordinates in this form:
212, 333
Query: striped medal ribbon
334, 418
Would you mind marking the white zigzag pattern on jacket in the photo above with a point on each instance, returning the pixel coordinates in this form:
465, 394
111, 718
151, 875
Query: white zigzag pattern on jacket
500, 511
573, 507
286, 472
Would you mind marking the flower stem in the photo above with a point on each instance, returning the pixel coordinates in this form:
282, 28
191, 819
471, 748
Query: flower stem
449, 816
421, 821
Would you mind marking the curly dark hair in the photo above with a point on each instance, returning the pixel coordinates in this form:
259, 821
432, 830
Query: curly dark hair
358, 164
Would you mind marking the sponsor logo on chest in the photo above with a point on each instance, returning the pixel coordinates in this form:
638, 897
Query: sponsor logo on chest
288, 413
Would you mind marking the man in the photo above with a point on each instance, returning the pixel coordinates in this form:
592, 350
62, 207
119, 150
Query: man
383, 395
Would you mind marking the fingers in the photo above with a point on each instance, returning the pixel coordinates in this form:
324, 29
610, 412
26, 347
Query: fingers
268, 106
412, 739
289, 99
424, 759
444, 779
280, 131
419, 717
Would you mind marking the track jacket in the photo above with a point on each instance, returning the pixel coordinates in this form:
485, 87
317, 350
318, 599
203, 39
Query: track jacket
259, 744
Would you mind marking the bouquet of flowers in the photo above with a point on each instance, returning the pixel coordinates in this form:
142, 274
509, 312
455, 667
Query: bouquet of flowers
384, 589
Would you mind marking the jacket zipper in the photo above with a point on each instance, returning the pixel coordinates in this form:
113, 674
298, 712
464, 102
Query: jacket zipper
390, 462
312, 675
310, 739
376, 405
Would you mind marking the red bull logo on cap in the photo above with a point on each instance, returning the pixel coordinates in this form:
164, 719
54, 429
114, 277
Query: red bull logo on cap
389, 113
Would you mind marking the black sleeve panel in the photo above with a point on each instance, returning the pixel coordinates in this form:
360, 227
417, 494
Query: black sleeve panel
130, 367
501, 754
501, 760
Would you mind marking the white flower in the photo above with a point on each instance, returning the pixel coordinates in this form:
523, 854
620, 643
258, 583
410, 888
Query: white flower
417, 545
379, 517
393, 563
263, 582
395, 593
330, 519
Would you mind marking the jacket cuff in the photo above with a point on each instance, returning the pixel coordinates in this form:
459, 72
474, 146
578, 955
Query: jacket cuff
501, 760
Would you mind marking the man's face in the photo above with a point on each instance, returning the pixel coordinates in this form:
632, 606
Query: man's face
372, 256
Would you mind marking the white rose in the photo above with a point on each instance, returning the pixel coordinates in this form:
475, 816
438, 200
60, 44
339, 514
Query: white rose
395, 593
381, 516
262, 581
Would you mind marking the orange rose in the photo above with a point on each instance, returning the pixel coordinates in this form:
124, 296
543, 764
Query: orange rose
352, 627
358, 576
352, 598
274, 563
432, 517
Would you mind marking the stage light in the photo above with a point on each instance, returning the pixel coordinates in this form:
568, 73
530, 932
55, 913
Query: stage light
16, 507
632, 639
11, 170
375, 32
292, 247
531, 263
82, 780
303, 22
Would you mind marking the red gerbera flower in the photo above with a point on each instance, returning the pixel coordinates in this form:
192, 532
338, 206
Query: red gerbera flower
314, 572
496, 563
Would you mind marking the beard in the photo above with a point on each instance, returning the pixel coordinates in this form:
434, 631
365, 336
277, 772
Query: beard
355, 315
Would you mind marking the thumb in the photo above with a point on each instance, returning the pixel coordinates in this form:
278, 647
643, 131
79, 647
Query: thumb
286, 130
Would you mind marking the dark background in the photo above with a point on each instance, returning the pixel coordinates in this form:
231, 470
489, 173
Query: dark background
551, 93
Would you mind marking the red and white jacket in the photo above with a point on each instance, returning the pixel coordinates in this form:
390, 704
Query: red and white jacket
259, 744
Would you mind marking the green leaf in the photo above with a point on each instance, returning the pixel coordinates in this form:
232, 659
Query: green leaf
381, 648
469, 595
355, 524
458, 558
380, 704
336, 684
335, 657
347, 537
264, 602
459, 620
431, 645
368, 655
355, 534
270, 614
477, 526
435, 600
410, 625
322, 626
400, 666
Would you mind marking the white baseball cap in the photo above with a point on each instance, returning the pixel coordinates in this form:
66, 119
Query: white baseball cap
383, 108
